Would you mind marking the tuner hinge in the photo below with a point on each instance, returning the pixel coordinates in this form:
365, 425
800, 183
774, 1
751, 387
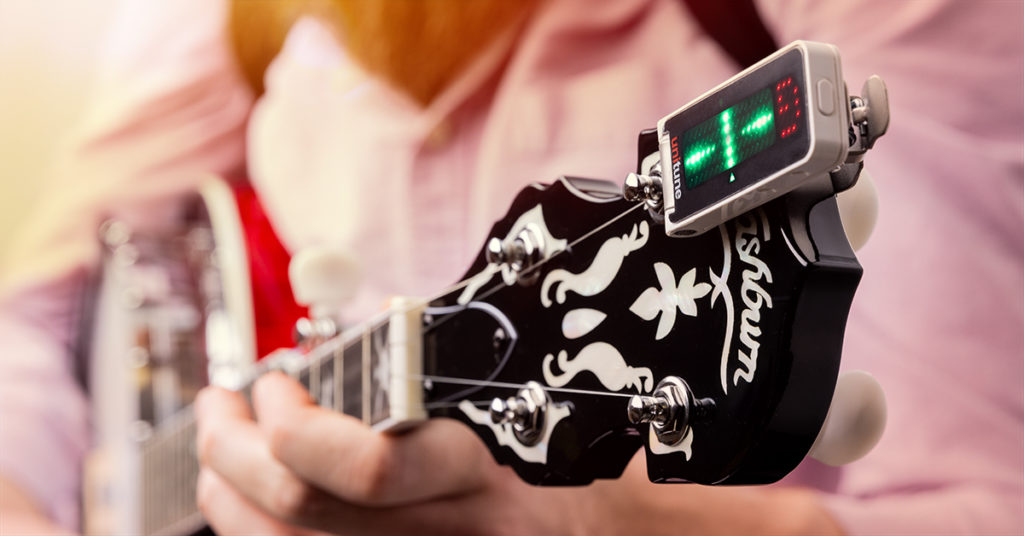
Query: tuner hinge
526, 412
671, 409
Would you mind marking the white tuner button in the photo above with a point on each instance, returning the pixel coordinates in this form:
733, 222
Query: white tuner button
858, 208
324, 279
855, 420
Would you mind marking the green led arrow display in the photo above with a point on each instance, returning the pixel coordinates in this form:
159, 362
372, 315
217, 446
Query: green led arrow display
730, 137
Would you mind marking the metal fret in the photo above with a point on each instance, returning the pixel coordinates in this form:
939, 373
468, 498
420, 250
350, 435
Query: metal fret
339, 376
367, 347
314, 381
352, 366
325, 383
377, 374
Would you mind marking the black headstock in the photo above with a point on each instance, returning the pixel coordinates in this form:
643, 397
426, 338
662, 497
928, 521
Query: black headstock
596, 304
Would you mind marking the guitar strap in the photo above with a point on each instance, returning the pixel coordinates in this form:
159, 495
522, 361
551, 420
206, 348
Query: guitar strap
736, 26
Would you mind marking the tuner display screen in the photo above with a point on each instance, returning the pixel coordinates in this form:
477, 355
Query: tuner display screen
738, 135
718, 144
739, 132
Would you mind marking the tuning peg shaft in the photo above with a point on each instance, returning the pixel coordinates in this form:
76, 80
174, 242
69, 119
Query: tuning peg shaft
670, 409
526, 412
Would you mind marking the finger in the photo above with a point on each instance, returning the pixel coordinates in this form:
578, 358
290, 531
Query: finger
461, 515
218, 411
259, 509
230, 444
216, 403
228, 512
343, 456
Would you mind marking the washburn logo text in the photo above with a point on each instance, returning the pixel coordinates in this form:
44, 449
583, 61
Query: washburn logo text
754, 276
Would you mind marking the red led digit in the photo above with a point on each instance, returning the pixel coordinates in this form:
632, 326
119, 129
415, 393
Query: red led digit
787, 107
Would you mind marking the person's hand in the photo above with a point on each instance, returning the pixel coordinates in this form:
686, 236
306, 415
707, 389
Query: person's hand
299, 467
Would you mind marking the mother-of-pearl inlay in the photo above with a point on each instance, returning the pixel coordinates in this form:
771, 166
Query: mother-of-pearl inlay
505, 436
602, 270
579, 322
669, 297
685, 444
602, 360
533, 220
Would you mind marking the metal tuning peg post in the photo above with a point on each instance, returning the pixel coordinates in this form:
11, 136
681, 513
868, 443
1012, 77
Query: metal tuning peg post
869, 120
671, 409
646, 188
311, 331
869, 115
526, 412
324, 279
524, 250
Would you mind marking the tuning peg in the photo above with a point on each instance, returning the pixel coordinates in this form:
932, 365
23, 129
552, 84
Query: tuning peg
858, 208
646, 188
671, 409
871, 110
526, 412
855, 420
323, 278
519, 254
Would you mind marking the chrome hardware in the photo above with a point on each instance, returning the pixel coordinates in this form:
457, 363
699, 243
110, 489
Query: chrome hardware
869, 115
526, 412
519, 254
499, 339
308, 333
495, 251
858, 110
670, 410
646, 188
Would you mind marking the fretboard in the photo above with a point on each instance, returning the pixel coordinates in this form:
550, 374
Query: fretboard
348, 373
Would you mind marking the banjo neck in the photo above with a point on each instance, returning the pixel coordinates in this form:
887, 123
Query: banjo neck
369, 371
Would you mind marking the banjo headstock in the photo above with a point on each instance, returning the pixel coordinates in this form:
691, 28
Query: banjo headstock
698, 313
583, 333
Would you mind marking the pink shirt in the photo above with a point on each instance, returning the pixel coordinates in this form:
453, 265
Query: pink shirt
341, 159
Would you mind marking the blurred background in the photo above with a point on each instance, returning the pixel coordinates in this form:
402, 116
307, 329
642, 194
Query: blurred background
44, 78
